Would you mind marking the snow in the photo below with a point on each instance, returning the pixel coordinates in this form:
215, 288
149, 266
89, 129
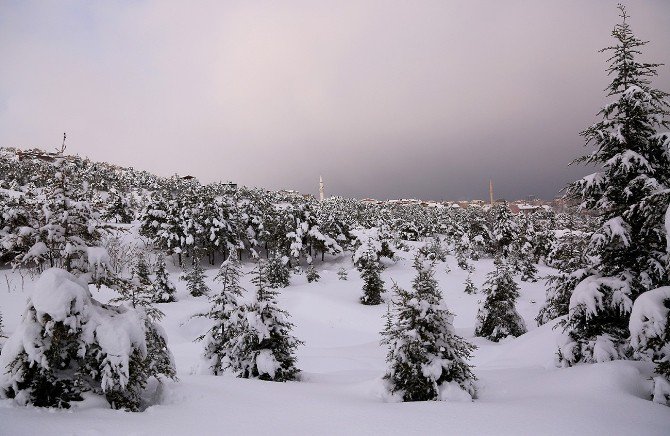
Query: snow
266, 363
649, 315
589, 295
520, 391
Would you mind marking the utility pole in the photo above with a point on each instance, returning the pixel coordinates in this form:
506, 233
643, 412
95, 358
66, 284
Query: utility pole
321, 195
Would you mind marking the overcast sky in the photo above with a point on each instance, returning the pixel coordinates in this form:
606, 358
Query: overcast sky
385, 99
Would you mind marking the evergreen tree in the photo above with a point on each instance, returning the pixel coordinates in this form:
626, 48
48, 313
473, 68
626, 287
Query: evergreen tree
425, 354
342, 273
195, 280
373, 285
278, 271
505, 231
262, 346
81, 345
497, 317
226, 314
118, 208
163, 289
141, 271
630, 195
312, 274
569, 256
650, 336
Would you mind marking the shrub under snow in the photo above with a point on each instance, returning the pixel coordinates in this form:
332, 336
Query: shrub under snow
69, 343
650, 336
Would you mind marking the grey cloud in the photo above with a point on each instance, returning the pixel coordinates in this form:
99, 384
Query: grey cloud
384, 99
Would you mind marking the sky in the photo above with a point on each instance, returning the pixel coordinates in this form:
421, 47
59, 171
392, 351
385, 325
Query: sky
384, 99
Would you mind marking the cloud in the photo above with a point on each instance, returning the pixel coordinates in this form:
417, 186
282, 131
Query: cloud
384, 99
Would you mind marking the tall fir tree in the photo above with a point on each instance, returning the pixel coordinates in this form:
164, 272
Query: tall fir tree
163, 289
195, 280
373, 285
226, 313
630, 195
497, 317
278, 271
312, 274
425, 354
263, 346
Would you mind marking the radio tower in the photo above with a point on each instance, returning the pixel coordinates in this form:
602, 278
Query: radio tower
321, 188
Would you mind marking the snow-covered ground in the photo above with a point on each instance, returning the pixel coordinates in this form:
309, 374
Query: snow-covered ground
520, 390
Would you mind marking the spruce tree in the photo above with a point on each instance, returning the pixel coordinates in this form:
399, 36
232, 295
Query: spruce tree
373, 285
262, 346
504, 230
226, 314
163, 289
342, 273
81, 345
425, 354
569, 256
278, 271
312, 274
630, 194
195, 280
497, 317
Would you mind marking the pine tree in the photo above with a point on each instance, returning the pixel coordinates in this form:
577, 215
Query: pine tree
75, 347
226, 314
278, 271
195, 280
650, 336
342, 273
373, 285
630, 195
312, 274
505, 231
263, 346
497, 317
569, 256
163, 289
141, 271
425, 354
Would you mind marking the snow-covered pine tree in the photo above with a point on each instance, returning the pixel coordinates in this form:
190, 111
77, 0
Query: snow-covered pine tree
650, 337
278, 271
497, 317
226, 314
163, 289
342, 273
630, 195
370, 269
312, 274
569, 256
141, 271
195, 280
263, 346
78, 344
118, 208
504, 231
426, 359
